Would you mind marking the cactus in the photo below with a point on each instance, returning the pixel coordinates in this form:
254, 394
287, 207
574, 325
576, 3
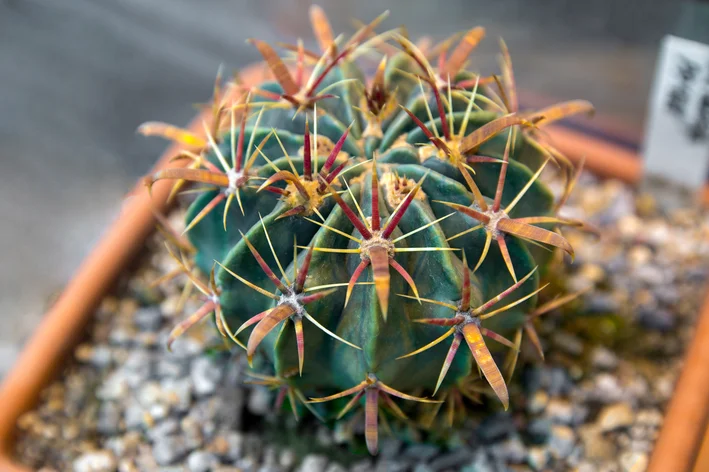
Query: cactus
388, 220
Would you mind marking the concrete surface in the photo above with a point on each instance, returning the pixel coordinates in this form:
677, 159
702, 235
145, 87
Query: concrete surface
78, 76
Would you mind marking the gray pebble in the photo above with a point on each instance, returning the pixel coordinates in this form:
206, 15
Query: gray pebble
150, 394
324, 437
697, 274
616, 265
125, 446
496, 427
270, 468
343, 433
567, 343
576, 456
650, 418
621, 205
389, 447
177, 393
134, 416
205, 376
287, 458
581, 412
667, 294
95, 461
186, 347
163, 429
108, 420
539, 430
235, 442
601, 303
480, 463
452, 459
192, 431
650, 274
171, 367
603, 358
534, 378
169, 449
207, 409
232, 407
606, 388
270, 457
246, 464
101, 356
335, 467
365, 465
227, 468
253, 446
421, 452
114, 387
259, 401
201, 461
158, 412
313, 463
138, 359
139, 364
117, 445
422, 468
656, 319
148, 318
120, 336
562, 441
391, 465
558, 381
511, 450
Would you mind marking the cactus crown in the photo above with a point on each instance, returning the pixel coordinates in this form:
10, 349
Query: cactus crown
379, 217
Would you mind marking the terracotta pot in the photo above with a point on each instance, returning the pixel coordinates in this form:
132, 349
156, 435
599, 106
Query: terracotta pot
60, 330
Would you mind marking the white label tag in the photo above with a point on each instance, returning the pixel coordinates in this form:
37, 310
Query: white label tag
677, 131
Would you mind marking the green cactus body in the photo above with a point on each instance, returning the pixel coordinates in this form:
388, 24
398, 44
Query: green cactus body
461, 215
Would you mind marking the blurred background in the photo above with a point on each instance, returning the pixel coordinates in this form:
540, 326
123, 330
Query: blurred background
78, 76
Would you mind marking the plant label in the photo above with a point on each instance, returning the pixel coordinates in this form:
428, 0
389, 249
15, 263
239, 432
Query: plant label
676, 143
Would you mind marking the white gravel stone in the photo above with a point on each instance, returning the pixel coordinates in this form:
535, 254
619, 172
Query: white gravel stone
201, 461
205, 376
96, 461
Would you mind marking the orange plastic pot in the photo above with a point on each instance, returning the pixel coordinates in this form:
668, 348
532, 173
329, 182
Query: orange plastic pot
58, 334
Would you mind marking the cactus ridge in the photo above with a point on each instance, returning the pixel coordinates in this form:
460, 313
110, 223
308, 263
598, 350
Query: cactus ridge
385, 218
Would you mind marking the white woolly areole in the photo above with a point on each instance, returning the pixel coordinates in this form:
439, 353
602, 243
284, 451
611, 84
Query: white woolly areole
293, 300
376, 240
469, 319
495, 217
234, 176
